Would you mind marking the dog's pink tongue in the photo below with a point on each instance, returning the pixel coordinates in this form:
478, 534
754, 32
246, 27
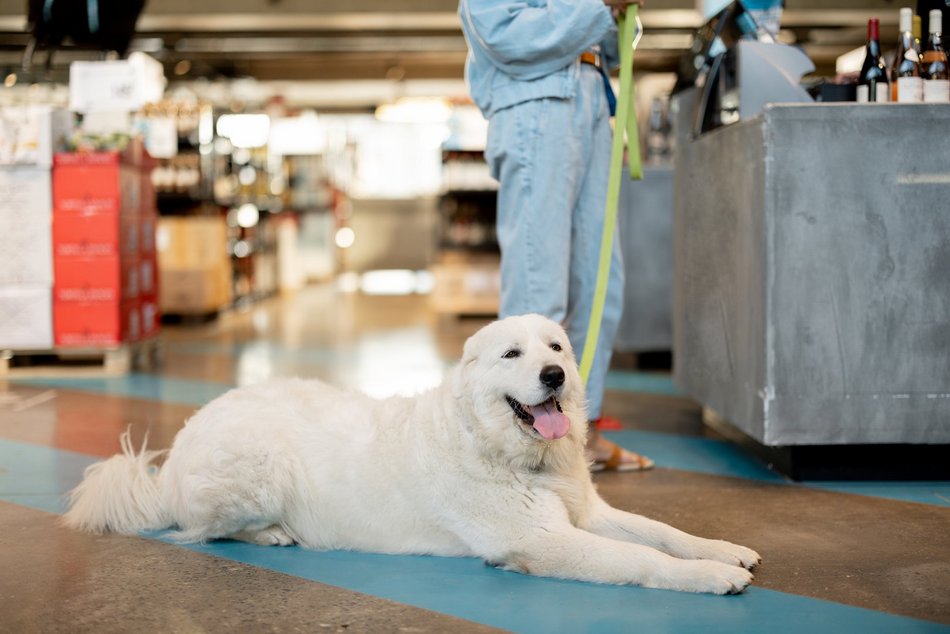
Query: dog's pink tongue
549, 422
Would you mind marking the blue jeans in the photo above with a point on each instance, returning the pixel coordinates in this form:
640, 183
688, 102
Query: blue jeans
552, 159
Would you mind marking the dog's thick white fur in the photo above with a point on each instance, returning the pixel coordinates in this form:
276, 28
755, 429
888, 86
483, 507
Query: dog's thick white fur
490, 464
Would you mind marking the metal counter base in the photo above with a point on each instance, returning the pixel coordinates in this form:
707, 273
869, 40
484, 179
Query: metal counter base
810, 463
811, 286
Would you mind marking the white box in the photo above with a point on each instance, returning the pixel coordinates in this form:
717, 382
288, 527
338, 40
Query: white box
26, 240
30, 135
26, 317
115, 86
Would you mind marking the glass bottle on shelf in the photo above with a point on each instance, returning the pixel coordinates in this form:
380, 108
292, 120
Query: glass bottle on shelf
935, 69
872, 83
906, 83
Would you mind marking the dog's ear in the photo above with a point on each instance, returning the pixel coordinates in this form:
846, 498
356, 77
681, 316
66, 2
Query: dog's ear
470, 354
459, 379
473, 346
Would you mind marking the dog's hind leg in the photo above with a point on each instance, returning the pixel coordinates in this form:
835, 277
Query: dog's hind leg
215, 512
273, 535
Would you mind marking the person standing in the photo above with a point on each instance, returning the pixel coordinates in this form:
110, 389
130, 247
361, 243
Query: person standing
536, 69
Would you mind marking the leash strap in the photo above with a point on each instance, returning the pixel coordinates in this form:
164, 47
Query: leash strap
625, 121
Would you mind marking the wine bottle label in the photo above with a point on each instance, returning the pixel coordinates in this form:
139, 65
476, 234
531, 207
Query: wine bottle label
910, 89
881, 93
937, 91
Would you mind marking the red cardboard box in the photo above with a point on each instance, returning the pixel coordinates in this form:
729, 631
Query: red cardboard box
95, 235
86, 159
151, 318
86, 189
148, 223
148, 275
107, 278
134, 154
149, 199
95, 187
96, 323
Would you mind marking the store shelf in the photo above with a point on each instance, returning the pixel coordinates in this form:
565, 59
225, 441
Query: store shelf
467, 279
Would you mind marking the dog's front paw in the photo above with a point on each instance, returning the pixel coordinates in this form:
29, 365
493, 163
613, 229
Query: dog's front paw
714, 577
728, 553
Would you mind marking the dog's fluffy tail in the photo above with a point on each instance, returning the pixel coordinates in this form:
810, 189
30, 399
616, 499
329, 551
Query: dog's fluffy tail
120, 494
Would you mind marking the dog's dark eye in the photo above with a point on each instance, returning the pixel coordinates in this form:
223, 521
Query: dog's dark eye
556, 346
512, 354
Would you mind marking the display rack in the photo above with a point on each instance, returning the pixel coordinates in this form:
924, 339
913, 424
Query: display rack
80, 279
467, 277
208, 186
184, 178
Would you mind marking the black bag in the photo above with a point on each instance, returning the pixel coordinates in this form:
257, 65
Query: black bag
106, 25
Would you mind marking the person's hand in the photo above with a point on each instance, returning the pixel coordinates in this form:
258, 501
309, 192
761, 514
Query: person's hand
619, 7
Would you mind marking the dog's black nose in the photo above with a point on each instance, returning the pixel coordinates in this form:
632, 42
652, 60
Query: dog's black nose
552, 376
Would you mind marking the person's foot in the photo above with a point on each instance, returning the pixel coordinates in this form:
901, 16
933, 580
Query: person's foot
605, 455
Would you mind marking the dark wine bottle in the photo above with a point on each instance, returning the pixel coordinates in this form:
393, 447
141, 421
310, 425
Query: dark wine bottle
906, 83
936, 72
872, 84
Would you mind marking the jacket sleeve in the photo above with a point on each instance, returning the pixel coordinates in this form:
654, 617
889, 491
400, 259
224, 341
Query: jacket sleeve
527, 39
610, 48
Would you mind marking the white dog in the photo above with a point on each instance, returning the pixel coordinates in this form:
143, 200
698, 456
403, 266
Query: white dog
490, 464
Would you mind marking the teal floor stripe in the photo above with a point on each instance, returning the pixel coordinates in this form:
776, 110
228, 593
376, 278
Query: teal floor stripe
934, 493
468, 589
646, 383
144, 386
699, 455
37, 477
714, 457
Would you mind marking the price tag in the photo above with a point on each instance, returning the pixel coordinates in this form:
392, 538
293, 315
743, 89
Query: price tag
161, 137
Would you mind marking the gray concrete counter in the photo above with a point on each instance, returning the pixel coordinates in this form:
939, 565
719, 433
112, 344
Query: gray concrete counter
811, 284
645, 224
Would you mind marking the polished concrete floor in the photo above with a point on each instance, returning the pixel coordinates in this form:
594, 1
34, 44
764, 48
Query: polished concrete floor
870, 557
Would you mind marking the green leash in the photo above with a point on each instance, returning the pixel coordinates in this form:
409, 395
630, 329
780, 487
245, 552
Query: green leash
625, 119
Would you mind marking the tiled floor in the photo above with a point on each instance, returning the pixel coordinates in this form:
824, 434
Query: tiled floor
837, 557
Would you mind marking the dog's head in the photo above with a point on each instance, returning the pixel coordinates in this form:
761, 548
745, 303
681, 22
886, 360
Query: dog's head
519, 377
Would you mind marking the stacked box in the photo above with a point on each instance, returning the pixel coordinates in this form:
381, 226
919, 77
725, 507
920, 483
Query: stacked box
26, 319
148, 254
194, 265
25, 217
28, 135
103, 249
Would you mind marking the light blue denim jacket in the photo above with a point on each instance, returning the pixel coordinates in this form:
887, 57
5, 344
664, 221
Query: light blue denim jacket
521, 50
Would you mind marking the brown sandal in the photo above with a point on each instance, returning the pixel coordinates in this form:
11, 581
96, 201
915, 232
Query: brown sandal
616, 463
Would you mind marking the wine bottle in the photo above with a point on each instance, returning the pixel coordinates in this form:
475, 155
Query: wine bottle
872, 83
906, 83
936, 72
